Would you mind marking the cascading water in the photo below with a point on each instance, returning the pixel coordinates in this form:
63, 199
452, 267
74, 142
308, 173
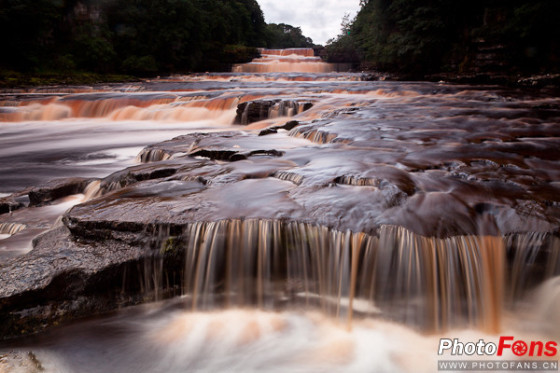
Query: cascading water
169, 107
285, 61
425, 282
9, 229
295, 221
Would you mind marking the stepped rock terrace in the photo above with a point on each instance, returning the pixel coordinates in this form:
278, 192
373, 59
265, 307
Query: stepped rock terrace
429, 205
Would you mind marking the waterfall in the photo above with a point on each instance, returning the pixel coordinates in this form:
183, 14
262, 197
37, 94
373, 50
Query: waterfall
285, 60
92, 190
152, 155
9, 229
426, 282
303, 52
167, 108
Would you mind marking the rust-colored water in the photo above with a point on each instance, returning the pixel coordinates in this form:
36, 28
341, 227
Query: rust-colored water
397, 211
285, 61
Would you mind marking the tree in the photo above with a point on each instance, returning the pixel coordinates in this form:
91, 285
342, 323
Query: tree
141, 37
422, 36
281, 35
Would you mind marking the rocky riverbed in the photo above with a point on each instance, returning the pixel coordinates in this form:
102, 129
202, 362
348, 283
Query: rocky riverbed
441, 164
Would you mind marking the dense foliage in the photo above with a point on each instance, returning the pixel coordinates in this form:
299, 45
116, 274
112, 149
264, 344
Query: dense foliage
422, 36
139, 37
279, 36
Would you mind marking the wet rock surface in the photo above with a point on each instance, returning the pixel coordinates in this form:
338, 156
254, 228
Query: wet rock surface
57, 188
11, 203
440, 161
61, 279
274, 129
254, 111
360, 184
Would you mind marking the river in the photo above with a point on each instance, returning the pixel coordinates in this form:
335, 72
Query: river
281, 217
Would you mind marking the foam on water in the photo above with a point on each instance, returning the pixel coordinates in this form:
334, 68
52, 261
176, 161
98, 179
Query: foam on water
236, 340
285, 60
17, 238
163, 337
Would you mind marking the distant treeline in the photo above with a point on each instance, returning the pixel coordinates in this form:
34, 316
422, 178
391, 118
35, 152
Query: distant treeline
137, 37
459, 36
281, 36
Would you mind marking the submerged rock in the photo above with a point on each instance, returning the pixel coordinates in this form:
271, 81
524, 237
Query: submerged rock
287, 126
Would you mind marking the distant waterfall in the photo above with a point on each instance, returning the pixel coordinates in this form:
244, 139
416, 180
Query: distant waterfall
285, 60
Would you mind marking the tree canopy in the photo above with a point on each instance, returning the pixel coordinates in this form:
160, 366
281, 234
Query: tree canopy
279, 36
422, 36
138, 37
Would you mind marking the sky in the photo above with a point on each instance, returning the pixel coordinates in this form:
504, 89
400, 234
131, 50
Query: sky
318, 19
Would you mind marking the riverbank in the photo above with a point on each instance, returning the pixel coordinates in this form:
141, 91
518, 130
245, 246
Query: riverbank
508, 80
13, 79
515, 80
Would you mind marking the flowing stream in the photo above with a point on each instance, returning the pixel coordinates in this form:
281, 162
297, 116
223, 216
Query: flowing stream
281, 217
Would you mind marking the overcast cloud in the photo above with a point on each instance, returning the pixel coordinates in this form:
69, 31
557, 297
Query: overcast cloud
319, 19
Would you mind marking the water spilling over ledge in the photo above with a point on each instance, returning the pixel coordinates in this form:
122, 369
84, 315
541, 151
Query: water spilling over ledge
285, 61
9, 229
428, 283
429, 206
